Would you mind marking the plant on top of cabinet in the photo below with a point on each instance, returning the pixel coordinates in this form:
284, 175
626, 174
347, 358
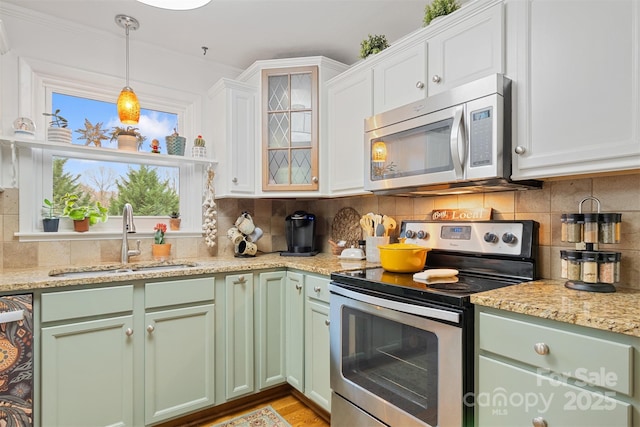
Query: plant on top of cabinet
372, 45
439, 8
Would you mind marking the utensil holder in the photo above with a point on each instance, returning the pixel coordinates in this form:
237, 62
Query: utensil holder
373, 253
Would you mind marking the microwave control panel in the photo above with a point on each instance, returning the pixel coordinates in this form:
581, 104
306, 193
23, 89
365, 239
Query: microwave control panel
481, 137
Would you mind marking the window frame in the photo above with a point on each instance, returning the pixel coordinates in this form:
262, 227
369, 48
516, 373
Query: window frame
38, 80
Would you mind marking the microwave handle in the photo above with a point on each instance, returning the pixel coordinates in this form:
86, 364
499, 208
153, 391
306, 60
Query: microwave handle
458, 142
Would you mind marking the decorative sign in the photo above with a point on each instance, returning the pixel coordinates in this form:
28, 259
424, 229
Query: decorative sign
478, 214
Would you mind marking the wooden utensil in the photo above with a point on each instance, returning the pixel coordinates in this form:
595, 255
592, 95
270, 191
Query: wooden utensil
389, 224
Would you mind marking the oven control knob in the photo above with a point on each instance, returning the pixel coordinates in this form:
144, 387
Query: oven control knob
490, 237
422, 234
410, 234
509, 238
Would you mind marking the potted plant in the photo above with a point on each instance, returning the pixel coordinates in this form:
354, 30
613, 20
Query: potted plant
83, 216
198, 149
160, 249
129, 138
50, 216
439, 8
372, 45
57, 130
174, 221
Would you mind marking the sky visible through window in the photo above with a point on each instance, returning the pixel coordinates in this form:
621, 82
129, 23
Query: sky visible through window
97, 176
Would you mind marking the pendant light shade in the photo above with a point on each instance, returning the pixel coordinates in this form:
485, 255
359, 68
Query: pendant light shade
128, 105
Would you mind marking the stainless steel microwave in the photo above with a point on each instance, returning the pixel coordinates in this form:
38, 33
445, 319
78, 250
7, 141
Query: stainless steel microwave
453, 142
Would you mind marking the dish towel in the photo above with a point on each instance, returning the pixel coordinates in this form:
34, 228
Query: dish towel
437, 275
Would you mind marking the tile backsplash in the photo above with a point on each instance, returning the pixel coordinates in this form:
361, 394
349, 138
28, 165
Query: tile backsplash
619, 193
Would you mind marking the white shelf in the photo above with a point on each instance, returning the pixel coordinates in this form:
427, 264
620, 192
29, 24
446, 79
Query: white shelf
136, 156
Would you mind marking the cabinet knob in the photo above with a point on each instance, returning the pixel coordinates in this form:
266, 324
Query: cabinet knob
436, 78
539, 422
128, 332
234, 180
317, 289
327, 322
520, 149
314, 179
419, 85
541, 348
298, 286
150, 328
241, 279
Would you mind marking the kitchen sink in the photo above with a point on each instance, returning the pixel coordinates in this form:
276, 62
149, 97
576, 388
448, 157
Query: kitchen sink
115, 270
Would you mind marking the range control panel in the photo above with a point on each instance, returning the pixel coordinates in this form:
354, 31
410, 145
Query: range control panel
512, 238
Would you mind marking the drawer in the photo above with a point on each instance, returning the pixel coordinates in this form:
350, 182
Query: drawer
590, 360
317, 288
86, 302
509, 396
175, 292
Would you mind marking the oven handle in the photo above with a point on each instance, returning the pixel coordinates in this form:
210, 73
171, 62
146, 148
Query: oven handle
432, 313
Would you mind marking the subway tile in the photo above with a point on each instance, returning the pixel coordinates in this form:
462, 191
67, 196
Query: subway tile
470, 201
567, 194
534, 200
10, 200
56, 253
20, 255
618, 193
502, 202
10, 225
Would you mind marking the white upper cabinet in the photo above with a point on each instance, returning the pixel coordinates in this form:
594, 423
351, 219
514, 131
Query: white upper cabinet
459, 48
577, 86
467, 51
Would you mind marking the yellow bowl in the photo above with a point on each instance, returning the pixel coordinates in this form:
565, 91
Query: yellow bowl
403, 258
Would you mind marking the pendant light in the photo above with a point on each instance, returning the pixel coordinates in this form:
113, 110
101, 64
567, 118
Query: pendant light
128, 105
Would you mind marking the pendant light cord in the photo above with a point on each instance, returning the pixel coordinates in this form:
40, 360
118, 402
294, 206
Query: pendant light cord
127, 59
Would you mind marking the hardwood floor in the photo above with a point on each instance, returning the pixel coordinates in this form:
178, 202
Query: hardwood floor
289, 407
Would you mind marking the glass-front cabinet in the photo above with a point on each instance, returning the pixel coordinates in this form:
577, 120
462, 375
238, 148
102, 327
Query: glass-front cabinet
290, 129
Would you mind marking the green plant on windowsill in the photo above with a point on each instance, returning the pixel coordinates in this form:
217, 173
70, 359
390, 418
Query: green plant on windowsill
128, 131
56, 119
372, 45
50, 216
439, 8
91, 213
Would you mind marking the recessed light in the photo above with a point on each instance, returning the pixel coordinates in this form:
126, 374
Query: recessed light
176, 4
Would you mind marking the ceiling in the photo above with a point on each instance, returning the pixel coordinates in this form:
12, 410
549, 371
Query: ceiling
239, 32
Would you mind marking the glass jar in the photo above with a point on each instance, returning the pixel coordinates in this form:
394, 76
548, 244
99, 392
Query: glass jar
575, 224
563, 227
590, 232
608, 224
564, 264
617, 267
607, 267
574, 270
590, 267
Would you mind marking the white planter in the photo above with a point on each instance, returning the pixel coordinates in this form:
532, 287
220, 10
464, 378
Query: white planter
55, 134
127, 143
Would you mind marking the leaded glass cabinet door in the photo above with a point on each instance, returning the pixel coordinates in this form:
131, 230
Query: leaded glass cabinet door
290, 129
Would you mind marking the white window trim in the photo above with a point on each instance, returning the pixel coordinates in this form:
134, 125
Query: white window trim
37, 80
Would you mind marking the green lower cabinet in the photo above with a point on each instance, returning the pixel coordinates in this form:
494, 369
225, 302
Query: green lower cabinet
179, 361
317, 385
294, 330
87, 373
270, 328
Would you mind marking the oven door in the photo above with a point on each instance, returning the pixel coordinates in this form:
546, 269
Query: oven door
395, 361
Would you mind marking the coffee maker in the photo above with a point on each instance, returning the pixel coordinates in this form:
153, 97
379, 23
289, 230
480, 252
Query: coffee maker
300, 231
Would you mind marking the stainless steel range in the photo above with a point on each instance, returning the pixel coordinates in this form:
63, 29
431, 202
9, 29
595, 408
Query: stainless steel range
402, 350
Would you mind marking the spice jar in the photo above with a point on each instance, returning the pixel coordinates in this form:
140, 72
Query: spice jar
574, 270
590, 267
575, 224
564, 264
608, 224
607, 267
617, 267
563, 227
590, 232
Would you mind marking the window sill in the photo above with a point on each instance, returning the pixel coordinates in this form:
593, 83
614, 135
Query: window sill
99, 235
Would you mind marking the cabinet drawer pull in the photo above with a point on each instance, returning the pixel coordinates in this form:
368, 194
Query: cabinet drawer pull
240, 279
436, 78
314, 179
541, 348
520, 149
150, 328
327, 322
539, 422
317, 289
128, 332
234, 180
419, 85
298, 286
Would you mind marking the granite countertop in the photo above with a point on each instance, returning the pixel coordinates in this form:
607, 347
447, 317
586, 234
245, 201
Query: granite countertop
549, 299
12, 281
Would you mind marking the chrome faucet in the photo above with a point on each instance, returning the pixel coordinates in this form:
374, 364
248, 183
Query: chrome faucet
128, 227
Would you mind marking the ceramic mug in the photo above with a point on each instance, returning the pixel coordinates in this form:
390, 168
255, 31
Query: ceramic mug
256, 235
245, 224
235, 235
247, 248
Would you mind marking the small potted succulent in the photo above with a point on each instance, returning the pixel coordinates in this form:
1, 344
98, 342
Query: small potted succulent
372, 45
83, 216
50, 216
129, 138
160, 249
58, 130
439, 8
174, 221
198, 149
